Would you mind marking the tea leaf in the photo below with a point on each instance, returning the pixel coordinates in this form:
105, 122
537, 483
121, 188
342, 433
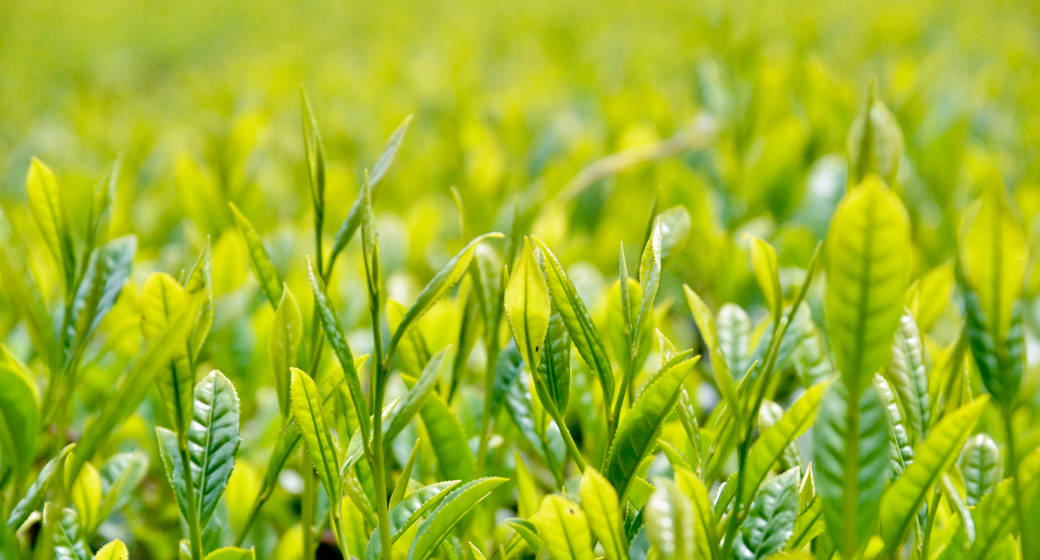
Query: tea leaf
980, 464
322, 447
33, 498
599, 501
527, 307
670, 521
723, 379
454, 456
114, 550
283, 344
415, 399
231, 553
770, 521
264, 270
449, 513
563, 529
45, 205
19, 414
868, 254
213, 440
767, 273
162, 297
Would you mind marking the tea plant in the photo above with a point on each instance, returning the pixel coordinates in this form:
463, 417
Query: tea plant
828, 416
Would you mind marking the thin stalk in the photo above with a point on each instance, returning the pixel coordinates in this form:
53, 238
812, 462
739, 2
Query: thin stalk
569, 441
194, 531
488, 415
1007, 412
309, 505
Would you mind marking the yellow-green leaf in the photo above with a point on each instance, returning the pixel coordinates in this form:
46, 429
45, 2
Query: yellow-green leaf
600, 503
114, 550
45, 205
563, 528
527, 306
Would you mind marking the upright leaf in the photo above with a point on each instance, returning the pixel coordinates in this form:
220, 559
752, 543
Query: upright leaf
103, 281
850, 443
579, 323
669, 521
33, 498
19, 414
868, 265
906, 375
314, 150
639, 428
563, 529
161, 298
527, 306
322, 447
600, 504
723, 378
554, 372
448, 514
981, 467
114, 550
875, 142
767, 273
770, 521
283, 344
264, 270
44, 198
213, 440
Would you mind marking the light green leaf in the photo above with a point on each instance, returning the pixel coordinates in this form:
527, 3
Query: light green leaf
322, 446
527, 306
850, 443
705, 533
670, 521
875, 142
103, 281
575, 315
213, 441
649, 282
767, 273
454, 456
993, 514
934, 456
120, 476
33, 498
263, 269
44, 199
25, 295
770, 521
675, 225
563, 529
19, 414
868, 265
639, 428
114, 550
231, 553
415, 398
449, 513
69, 539
85, 493
160, 299
553, 375
599, 501
907, 377
315, 153
283, 344
334, 333
981, 467
350, 225
723, 378
734, 334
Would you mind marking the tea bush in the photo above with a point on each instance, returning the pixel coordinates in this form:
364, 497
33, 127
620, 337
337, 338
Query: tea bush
623, 282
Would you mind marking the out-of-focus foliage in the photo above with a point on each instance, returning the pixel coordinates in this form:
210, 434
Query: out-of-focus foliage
716, 143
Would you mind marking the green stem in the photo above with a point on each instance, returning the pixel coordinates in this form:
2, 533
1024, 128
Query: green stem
194, 531
1012, 469
488, 415
309, 498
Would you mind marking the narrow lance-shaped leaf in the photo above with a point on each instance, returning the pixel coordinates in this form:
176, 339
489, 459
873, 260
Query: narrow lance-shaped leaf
554, 372
875, 142
337, 340
723, 378
120, 476
527, 306
322, 447
448, 514
68, 536
669, 521
705, 534
639, 428
563, 529
934, 456
350, 224
213, 441
103, 281
907, 377
767, 273
599, 501
868, 263
981, 467
850, 443
33, 498
577, 319
415, 398
283, 344
264, 270
446, 277
649, 281
454, 456
314, 150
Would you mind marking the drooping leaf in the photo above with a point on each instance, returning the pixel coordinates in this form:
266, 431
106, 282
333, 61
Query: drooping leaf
563, 529
850, 443
449, 513
981, 467
669, 520
579, 323
527, 306
283, 344
322, 446
770, 522
599, 501
902, 500
868, 264
259, 260
639, 428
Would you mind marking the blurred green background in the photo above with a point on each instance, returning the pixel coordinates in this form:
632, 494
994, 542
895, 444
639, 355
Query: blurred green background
510, 101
